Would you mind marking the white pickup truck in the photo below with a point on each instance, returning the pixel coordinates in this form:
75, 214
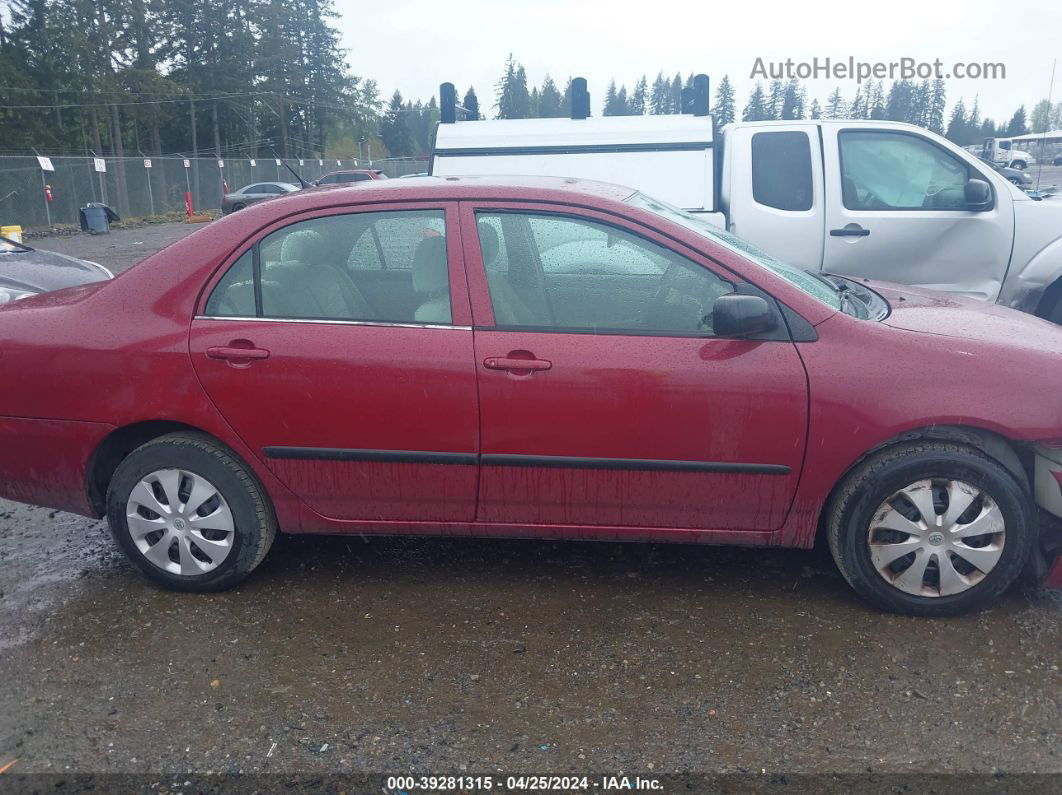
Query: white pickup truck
874, 199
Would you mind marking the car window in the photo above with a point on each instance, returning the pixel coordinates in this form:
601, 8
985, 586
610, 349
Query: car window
327, 180
781, 170
332, 268
898, 171
574, 274
234, 294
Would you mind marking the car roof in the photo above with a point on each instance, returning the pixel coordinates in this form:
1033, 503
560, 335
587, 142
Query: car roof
509, 188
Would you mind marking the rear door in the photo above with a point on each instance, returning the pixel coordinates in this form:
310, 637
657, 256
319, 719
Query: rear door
781, 207
357, 391
896, 211
605, 398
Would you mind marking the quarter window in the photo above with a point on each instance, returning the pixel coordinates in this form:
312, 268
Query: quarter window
383, 267
896, 171
574, 274
781, 170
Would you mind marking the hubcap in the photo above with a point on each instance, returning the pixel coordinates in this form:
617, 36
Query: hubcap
936, 537
180, 522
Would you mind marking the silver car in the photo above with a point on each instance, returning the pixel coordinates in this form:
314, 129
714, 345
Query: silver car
252, 194
26, 271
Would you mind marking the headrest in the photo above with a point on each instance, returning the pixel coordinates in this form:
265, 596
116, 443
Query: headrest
488, 241
305, 245
429, 265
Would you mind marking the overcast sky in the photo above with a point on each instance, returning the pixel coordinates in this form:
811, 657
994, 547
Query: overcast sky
413, 45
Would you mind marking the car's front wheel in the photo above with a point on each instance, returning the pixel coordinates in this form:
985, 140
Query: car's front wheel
188, 514
931, 529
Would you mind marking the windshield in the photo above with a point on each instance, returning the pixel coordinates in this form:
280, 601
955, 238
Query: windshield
810, 284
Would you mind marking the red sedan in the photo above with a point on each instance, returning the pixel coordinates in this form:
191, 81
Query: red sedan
538, 358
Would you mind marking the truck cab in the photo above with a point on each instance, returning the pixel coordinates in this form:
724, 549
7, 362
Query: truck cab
1003, 152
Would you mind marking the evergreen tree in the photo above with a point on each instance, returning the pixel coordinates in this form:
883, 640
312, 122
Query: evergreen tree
536, 103
775, 99
756, 108
639, 98
898, 106
550, 104
660, 96
724, 101
876, 101
816, 110
1017, 125
793, 101
676, 94
1042, 116
513, 98
836, 108
857, 109
393, 129
918, 110
937, 105
471, 104
957, 130
610, 100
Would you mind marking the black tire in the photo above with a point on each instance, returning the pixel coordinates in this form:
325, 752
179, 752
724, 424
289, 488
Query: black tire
237, 207
1018, 164
849, 514
254, 520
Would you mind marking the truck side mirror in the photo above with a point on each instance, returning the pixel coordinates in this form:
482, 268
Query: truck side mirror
737, 315
978, 195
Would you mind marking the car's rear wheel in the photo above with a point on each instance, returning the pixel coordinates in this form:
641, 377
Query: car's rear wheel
237, 207
930, 529
188, 514
1019, 164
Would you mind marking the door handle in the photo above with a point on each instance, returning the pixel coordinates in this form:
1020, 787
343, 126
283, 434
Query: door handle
235, 352
852, 230
515, 364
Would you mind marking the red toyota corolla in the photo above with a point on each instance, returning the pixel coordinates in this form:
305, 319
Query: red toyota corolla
533, 357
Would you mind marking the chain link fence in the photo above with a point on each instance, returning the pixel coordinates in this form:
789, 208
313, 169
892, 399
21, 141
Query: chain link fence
138, 187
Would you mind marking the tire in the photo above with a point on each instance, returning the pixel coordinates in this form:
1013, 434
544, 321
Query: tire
237, 207
209, 549
1018, 164
855, 514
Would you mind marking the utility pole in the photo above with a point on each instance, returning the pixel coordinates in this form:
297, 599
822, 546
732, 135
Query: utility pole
195, 149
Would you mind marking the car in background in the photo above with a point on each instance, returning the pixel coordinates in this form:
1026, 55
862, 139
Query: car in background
312, 367
350, 175
1058, 160
1013, 175
252, 194
26, 271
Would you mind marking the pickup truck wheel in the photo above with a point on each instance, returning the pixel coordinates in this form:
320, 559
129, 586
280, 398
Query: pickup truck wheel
188, 514
930, 529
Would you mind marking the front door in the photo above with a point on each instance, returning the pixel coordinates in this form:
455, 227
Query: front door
337, 350
605, 398
896, 211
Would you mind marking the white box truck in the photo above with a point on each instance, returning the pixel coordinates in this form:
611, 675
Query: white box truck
873, 199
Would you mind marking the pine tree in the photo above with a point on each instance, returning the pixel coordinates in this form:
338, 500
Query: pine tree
610, 107
957, 130
639, 97
660, 96
898, 106
1042, 116
471, 104
724, 101
793, 101
513, 98
550, 105
918, 111
393, 129
1017, 124
937, 106
857, 107
836, 108
775, 99
676, 94
756, 108
876, 101
816, 110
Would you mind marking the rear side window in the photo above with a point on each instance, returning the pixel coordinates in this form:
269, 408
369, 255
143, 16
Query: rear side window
234, 294
781, 170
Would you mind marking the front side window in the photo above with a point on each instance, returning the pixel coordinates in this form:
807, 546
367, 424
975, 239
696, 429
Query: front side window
781, 170
332, 268
897, 171
574, 274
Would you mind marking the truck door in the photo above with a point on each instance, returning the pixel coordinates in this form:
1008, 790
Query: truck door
896, 211
780, 208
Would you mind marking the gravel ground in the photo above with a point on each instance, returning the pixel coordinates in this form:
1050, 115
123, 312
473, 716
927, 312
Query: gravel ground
439, 655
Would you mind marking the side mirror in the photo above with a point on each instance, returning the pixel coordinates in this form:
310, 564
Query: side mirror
978, 195
737, 315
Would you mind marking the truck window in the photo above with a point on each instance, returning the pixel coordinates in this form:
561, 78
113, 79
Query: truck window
899, 171
781, 170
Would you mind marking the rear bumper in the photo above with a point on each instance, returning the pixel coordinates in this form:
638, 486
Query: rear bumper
1048, 490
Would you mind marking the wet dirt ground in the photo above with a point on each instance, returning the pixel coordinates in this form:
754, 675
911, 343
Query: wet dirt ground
444, 655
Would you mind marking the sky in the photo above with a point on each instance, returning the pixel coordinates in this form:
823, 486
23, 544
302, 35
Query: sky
413, 45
